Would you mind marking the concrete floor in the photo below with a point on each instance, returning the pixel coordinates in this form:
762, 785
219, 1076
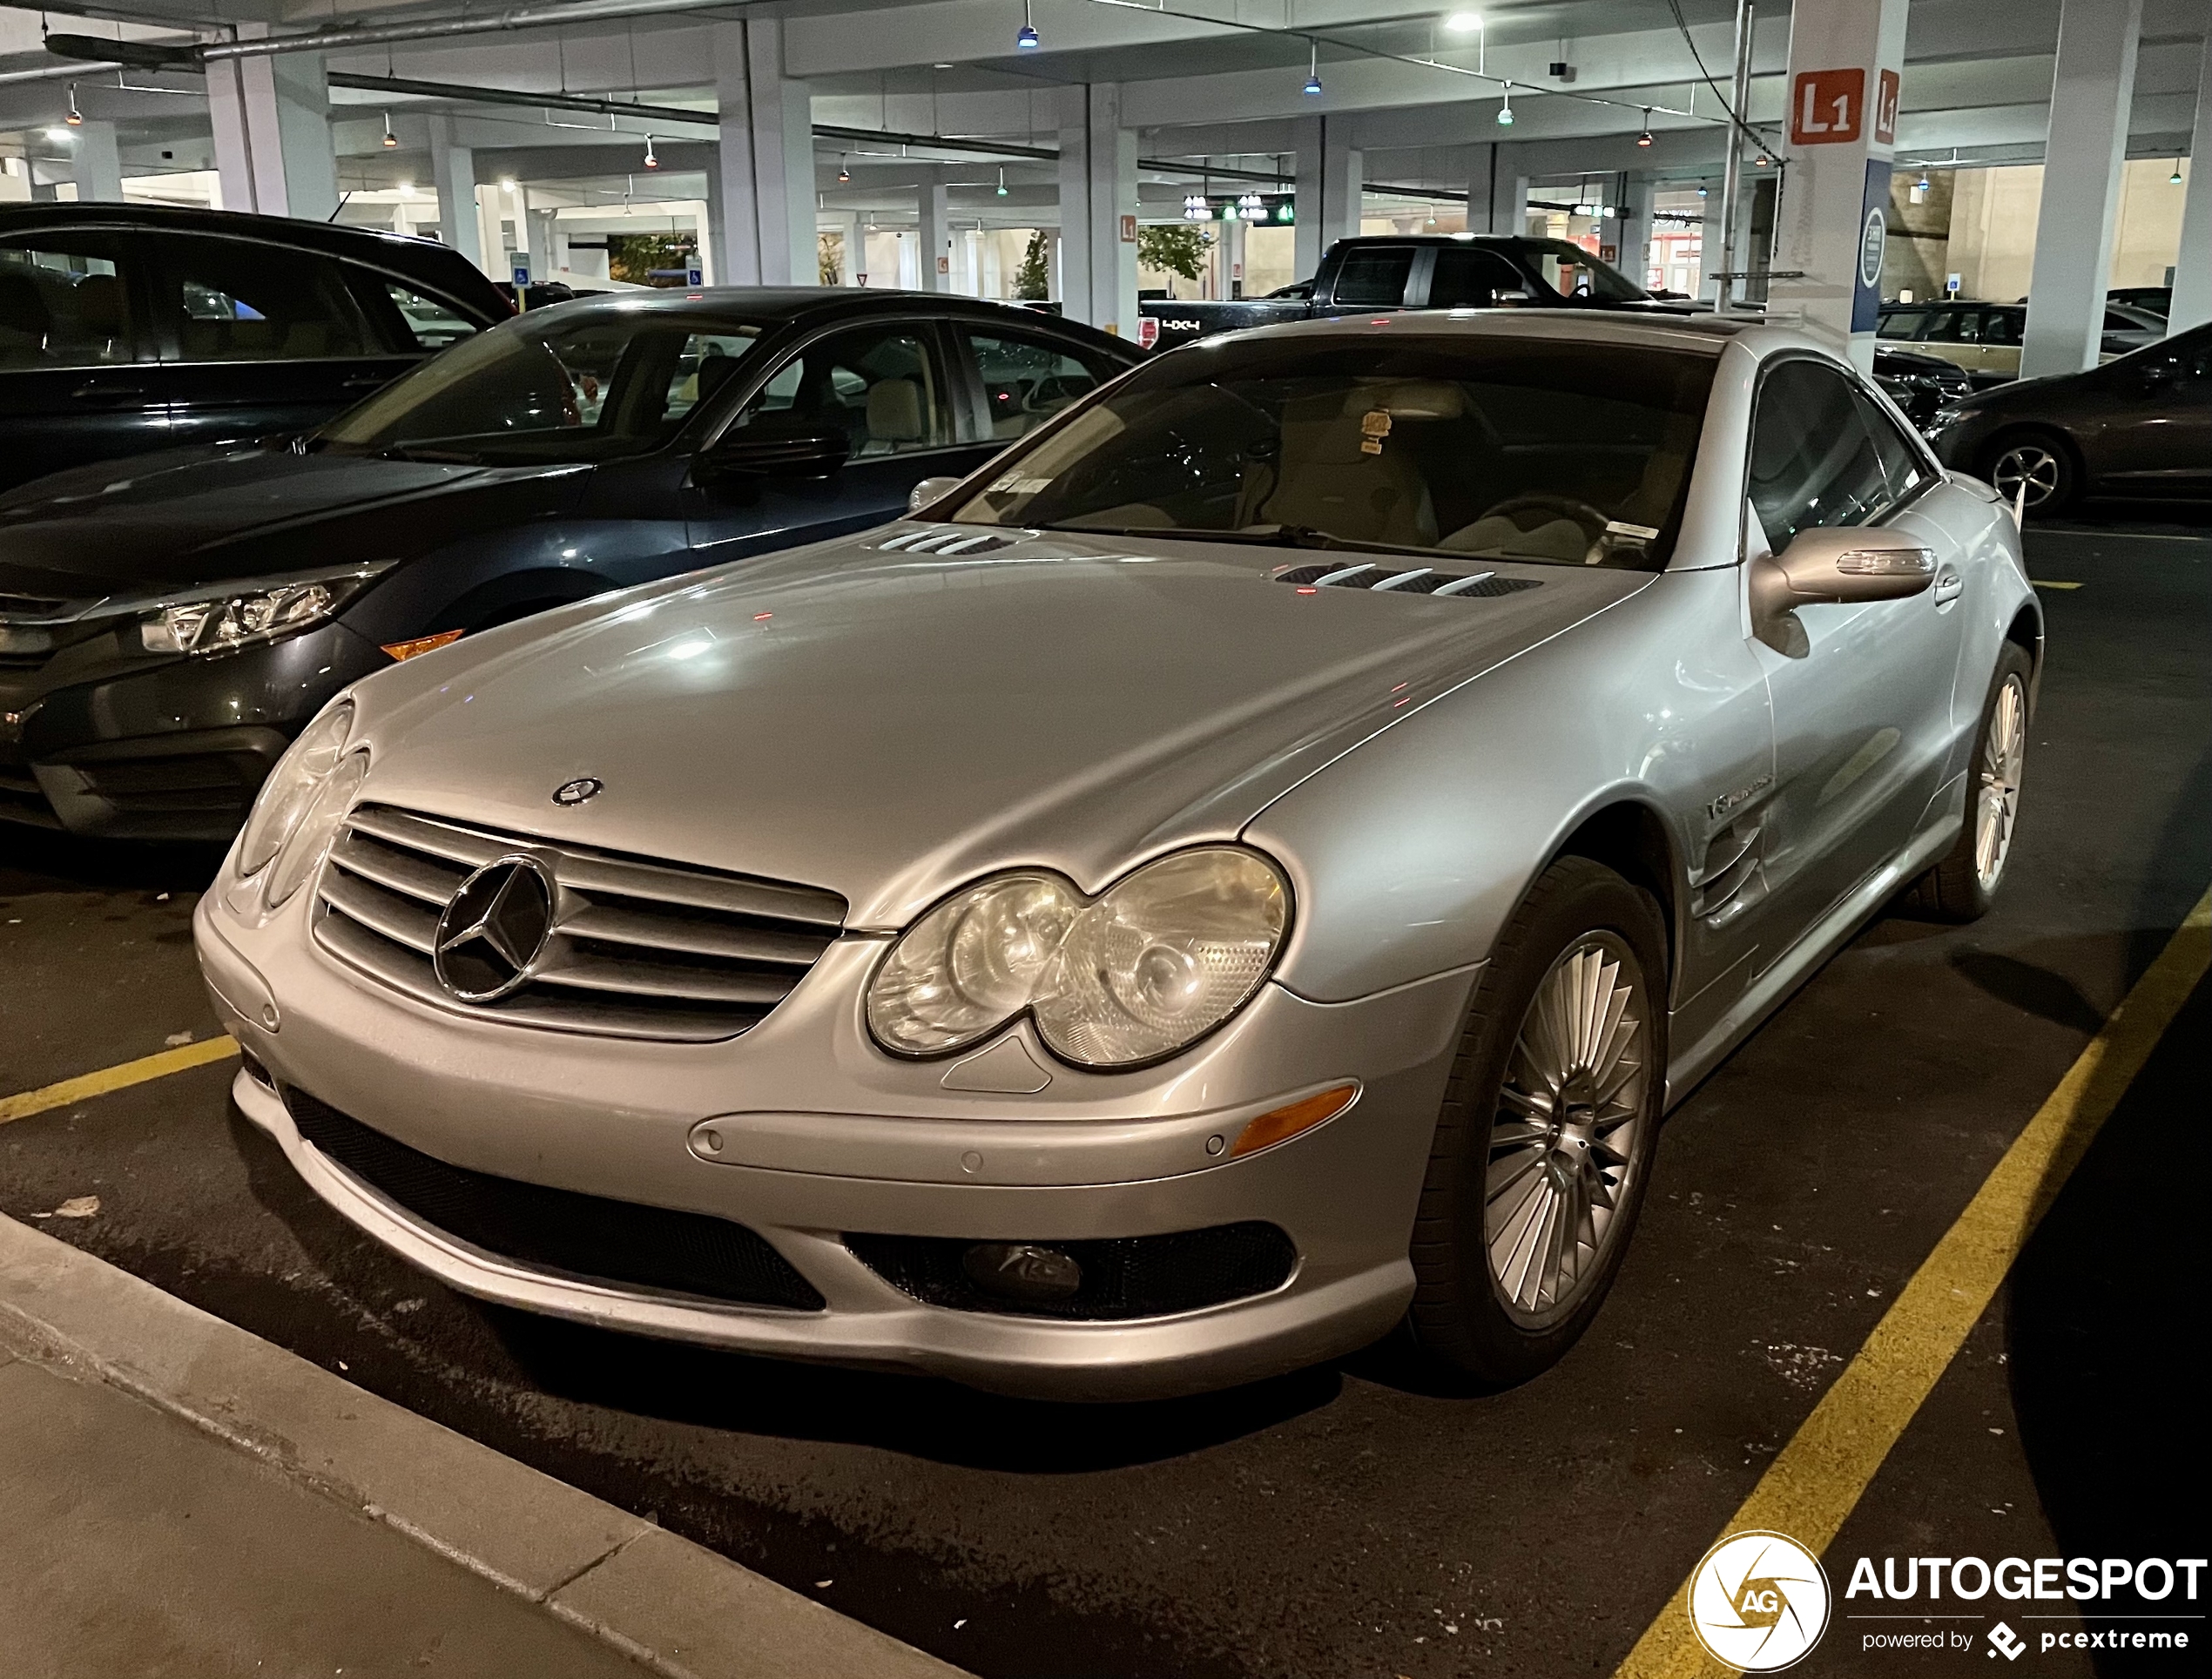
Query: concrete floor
1347, 1522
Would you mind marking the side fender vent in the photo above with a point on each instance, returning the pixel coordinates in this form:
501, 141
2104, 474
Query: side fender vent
1396, 579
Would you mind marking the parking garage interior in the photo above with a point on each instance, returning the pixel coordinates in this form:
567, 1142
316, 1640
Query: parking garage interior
1916, 1266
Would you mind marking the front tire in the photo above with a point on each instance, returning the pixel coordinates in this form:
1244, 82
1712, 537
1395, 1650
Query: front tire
1545, 1140
2039, 462
1963, 887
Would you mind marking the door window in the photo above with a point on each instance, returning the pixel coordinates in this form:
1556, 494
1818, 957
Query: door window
224, 300
1816, 460
1905, 472
66, 301
1469, 277
2002, 327
1025, 380
1952, 326
1900, 323
883, 387
429, 324
1374, 276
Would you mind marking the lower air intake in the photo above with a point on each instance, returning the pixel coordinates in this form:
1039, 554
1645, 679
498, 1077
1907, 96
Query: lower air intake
583, 1235
1123, 1277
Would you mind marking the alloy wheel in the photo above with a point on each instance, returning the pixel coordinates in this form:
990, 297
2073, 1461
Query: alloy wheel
2028, 464
1997, 795
1567, 1134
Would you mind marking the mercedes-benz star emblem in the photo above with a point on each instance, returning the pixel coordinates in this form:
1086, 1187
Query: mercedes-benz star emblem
576, 791
495, 929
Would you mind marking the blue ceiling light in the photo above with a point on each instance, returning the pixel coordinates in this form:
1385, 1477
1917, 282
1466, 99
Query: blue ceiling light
1026, 40
1313, 68
1505, 111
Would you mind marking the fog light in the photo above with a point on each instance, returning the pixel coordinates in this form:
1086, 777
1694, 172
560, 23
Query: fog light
1022, 1270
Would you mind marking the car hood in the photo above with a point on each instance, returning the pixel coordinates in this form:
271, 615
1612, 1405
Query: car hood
888, 725
124, 528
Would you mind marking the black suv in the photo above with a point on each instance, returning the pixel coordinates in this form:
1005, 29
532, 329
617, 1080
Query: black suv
131, 327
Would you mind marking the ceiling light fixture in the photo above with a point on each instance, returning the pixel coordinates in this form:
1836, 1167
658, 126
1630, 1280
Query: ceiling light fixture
1313, 66
1702, 193
1644, 138
1464, 23
505, 183
391, 140
1001, 191
2174, 179
843, 173
1505, 110
59, 136
1026, 40
76, 117
651, 162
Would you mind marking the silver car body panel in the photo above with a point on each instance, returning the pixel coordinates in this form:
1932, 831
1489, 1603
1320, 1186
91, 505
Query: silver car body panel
889, 725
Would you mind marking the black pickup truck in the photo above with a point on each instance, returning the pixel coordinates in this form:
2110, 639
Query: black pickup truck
1451, 271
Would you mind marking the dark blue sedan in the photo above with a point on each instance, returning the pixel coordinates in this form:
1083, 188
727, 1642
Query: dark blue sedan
168, 622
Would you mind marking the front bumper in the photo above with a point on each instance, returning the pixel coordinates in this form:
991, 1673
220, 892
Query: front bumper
163, 749
823, 1136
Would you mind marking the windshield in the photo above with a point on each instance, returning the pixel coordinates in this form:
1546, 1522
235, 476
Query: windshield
589, 387
1486, 446
1574, 273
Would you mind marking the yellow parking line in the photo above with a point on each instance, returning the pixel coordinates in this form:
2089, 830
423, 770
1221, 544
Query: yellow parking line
87, 1085
2040, 584
1817, 1479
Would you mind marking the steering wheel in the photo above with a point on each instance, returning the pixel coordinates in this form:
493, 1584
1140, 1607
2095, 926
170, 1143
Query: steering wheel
1593, 519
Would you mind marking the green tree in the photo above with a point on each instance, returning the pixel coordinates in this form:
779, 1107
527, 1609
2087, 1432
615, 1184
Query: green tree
829, 254
1033, 280
1179, 248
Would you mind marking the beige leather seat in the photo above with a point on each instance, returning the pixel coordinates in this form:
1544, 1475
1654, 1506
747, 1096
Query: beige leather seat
1324, 479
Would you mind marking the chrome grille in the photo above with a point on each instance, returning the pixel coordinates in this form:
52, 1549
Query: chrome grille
637, 949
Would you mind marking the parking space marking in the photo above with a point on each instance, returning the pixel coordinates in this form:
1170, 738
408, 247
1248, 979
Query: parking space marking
87, 1085
1818, 1478
2040, 584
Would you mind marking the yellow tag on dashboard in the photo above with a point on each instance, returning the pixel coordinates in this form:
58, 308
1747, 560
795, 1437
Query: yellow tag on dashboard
1374, 426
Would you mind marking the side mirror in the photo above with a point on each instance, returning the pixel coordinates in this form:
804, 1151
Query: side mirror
928, 490
746, 453
1835, 566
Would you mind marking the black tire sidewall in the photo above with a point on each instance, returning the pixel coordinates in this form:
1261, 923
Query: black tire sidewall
1457, 1317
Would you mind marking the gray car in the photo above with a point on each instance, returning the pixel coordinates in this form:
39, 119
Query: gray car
1248, 868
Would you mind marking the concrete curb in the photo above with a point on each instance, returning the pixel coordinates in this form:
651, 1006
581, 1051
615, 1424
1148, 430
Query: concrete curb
679, 1608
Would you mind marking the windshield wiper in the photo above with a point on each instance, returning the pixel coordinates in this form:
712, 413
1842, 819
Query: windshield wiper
1272, 537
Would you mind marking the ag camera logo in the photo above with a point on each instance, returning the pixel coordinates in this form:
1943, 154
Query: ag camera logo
1759, 1602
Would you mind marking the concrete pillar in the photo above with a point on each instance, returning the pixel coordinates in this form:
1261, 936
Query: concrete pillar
1071, 251
2090, 97
1846, 57
2193, 269
763, 186
933, 216
1497, 189
1231, 281
1635, 226
1307, 240
271, 122
536, 228
98, 167
1343, 171
453, 177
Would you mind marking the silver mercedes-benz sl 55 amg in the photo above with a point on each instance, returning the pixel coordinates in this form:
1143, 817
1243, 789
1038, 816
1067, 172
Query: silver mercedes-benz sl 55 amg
1247, 871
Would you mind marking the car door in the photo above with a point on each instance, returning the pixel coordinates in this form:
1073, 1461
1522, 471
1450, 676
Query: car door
74, 352
1861, 694
888, 387
2156, 438
256, 338
2000, 329
1953, 334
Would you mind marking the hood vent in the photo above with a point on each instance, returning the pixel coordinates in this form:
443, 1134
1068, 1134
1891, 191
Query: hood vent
938, 540
1401, 579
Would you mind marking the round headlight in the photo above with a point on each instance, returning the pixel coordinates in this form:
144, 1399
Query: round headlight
1165, 955
285, 795
318, 824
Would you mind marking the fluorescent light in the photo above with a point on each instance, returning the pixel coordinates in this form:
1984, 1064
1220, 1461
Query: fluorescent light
1464, 23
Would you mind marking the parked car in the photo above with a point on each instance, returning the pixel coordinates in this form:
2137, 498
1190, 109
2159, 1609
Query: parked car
127, 328
1250, 867
1428, 271
2140, 426
167, 627
1984, 338
2156, 301
1919, 384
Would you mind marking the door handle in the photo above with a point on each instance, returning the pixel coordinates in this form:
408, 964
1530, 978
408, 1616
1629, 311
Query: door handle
1949, 584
